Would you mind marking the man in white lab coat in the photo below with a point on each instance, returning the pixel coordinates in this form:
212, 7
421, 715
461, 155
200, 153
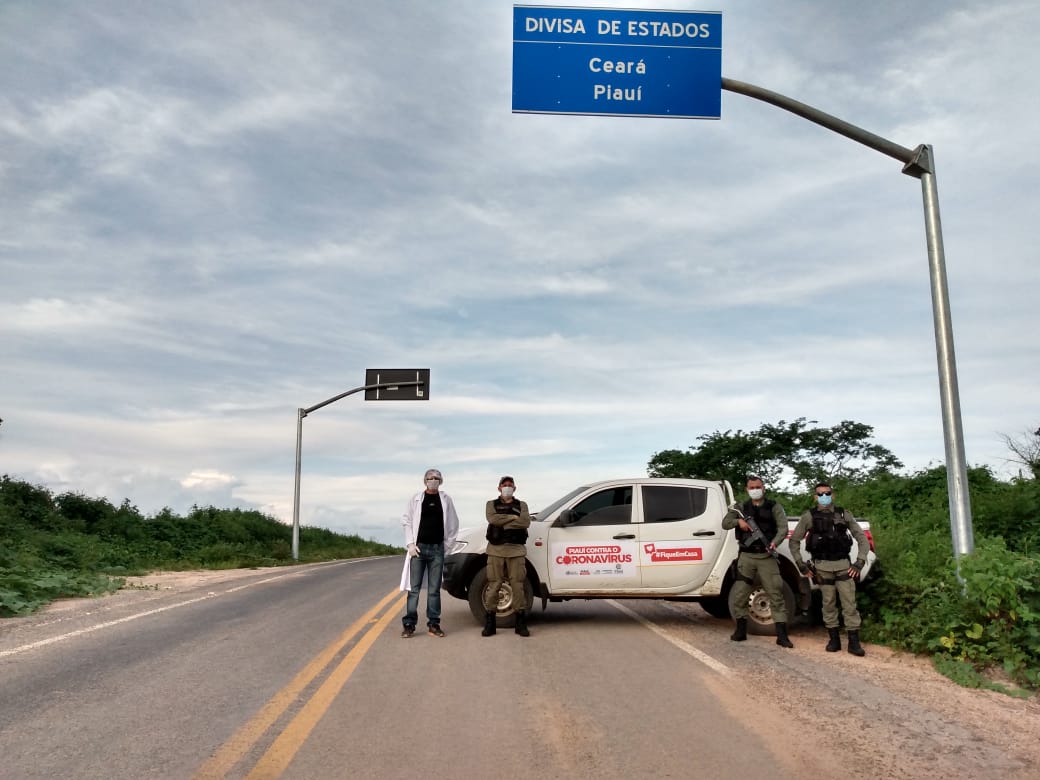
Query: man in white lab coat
431, 526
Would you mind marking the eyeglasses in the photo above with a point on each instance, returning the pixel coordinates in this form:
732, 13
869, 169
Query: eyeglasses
824, 493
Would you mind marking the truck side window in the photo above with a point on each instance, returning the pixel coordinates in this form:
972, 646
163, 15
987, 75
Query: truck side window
608, 507
667, 504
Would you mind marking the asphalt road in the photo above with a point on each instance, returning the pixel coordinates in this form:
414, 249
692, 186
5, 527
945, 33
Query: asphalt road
301, 673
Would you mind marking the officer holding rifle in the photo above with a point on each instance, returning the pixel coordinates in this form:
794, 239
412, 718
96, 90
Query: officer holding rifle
761, 525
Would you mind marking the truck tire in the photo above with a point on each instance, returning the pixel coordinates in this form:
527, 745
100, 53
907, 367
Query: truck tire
506, 613
760, 613
716, 606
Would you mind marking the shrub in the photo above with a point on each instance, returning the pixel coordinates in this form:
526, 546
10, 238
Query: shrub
65, 546
23, 591
999, 621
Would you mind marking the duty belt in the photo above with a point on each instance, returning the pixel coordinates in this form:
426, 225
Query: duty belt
829, 578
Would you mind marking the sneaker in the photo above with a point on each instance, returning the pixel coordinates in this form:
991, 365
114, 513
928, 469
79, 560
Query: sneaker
435, 631
408, 633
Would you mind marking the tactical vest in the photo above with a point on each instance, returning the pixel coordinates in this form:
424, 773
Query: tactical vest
829, 538
763, 516
496, 534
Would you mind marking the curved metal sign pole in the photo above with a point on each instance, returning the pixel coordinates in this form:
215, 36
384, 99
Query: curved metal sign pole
919, 164
300, 414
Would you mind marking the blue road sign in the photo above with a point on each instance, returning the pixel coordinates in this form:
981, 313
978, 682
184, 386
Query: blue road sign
617, 62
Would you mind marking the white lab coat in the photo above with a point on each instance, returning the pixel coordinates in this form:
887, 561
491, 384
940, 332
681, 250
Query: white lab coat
410, 521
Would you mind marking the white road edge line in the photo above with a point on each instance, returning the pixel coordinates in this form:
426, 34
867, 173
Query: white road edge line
686, 647
128, 618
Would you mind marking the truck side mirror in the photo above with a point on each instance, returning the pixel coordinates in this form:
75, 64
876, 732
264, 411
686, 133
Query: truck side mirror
566, 517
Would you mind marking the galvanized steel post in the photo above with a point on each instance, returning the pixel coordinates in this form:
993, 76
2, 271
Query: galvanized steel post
920, 164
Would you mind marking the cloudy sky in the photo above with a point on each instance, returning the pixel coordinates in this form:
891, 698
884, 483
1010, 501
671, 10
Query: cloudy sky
214, 213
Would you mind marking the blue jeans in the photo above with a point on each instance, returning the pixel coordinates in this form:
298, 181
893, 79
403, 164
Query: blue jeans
430, 560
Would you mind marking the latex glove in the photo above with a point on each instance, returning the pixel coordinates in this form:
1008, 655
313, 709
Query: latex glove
413, 551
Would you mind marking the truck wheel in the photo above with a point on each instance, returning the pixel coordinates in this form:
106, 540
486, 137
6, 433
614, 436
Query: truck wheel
506, 612
760, 612
716, 606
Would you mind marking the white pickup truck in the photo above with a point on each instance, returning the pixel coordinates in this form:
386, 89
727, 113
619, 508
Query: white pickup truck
630, 538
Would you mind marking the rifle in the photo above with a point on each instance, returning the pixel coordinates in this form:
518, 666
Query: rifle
756, 533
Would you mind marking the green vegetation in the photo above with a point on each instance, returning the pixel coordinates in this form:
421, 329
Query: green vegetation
70, 545
980, 624
984, 623
841, 452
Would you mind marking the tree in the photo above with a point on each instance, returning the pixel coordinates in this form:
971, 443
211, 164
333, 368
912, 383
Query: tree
842, 452
722, 455
787, 449
1026, 449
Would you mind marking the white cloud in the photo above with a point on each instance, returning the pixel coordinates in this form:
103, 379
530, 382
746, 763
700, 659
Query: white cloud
206, 480
56, 314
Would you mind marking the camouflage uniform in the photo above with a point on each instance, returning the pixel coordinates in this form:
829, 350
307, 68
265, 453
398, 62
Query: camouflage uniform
756, 560
832, 567
506, 559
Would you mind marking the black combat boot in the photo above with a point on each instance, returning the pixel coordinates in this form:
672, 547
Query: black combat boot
741, 632
520, 626
854, 646
834, 645
781, 635
489, 624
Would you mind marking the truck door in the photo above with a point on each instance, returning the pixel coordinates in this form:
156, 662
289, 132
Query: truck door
593, 544
680, 536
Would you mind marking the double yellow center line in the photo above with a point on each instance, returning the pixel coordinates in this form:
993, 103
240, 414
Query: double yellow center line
281, 752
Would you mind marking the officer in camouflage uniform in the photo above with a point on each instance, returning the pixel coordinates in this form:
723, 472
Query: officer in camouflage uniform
508, 520
830, 531
756, 558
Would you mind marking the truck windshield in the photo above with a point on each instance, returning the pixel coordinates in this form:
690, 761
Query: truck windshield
544, 513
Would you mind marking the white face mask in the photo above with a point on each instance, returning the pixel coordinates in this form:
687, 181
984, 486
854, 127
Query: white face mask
756, 493
507, 491
431, 484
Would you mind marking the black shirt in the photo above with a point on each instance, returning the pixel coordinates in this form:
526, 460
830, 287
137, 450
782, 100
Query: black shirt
431, 521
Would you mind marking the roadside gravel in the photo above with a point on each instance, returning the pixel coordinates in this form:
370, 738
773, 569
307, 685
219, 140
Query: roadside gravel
891, 715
